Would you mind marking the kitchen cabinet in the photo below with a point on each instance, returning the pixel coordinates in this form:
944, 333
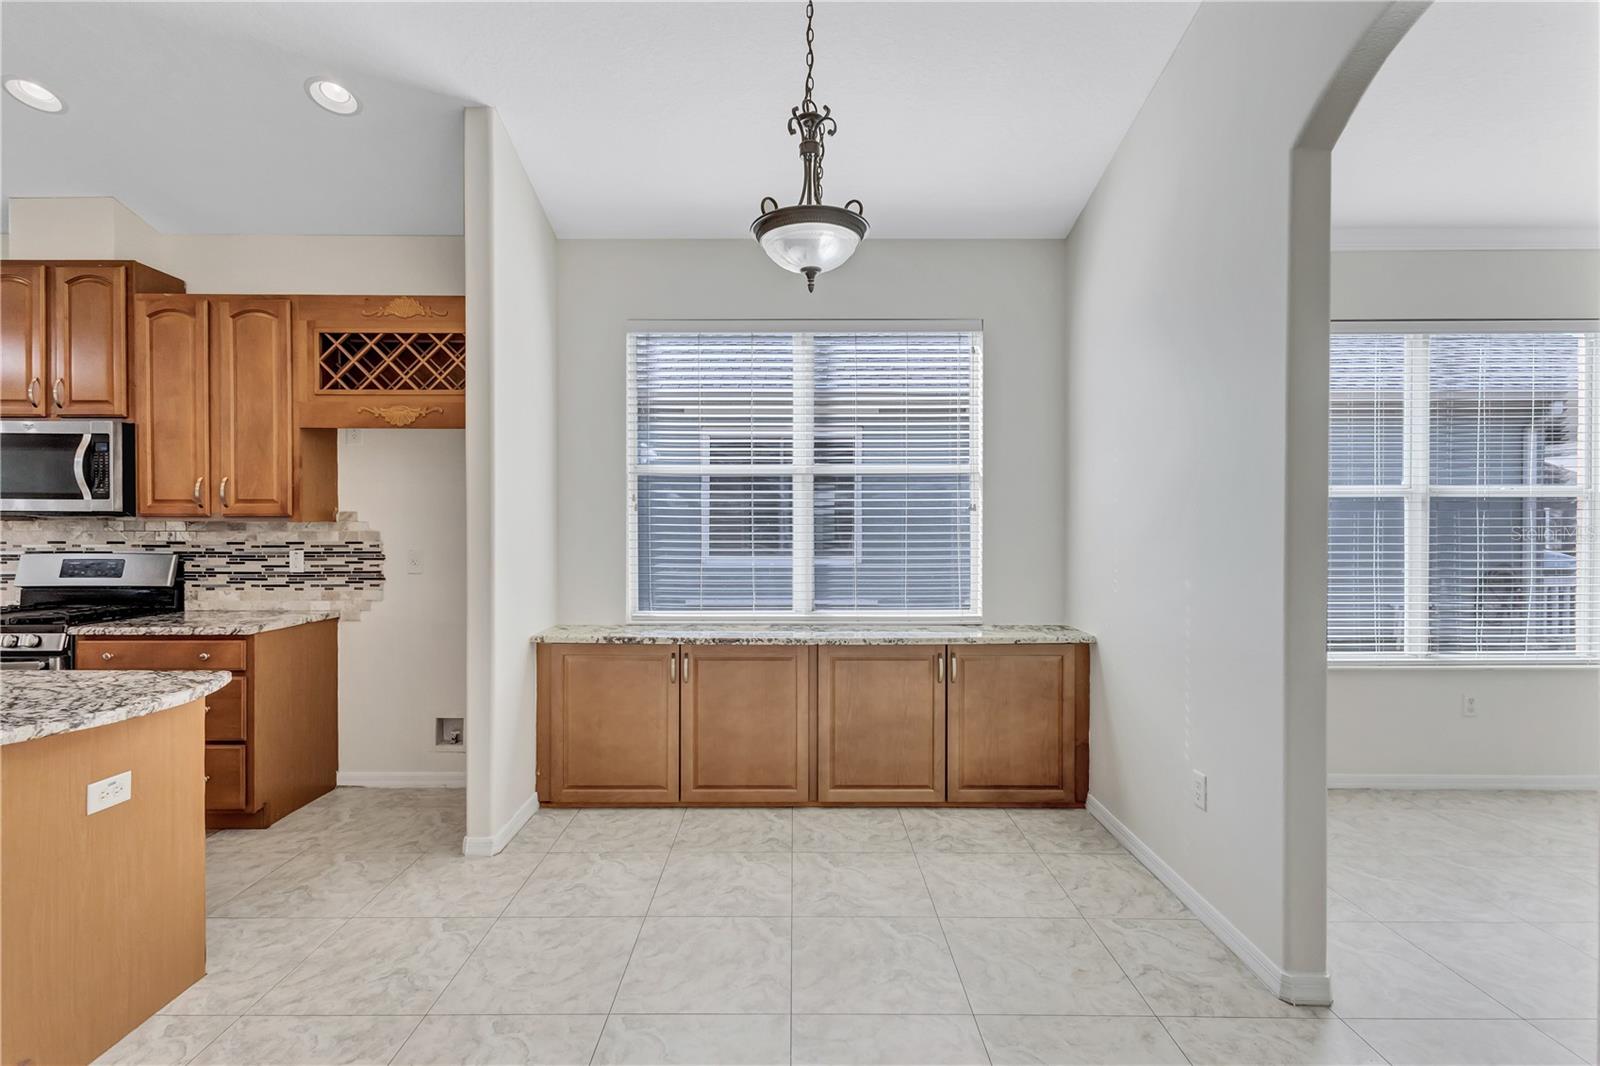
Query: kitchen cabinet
64, 344
612, 722
380, 361
746, 717
1013, 734
214, 404
880, 724
271, 734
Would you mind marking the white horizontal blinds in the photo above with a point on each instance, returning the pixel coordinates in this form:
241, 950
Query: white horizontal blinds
895, 451
711, 421
1366, 512
797, 473
1471, 533
1505, 420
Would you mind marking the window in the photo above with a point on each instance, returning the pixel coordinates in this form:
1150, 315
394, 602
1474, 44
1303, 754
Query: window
1462, 470
833, 473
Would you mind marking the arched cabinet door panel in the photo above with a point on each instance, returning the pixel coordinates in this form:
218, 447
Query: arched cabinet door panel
24, 376
88, 375
172, 405
252, 416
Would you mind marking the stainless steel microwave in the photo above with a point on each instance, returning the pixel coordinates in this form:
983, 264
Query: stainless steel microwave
66, 466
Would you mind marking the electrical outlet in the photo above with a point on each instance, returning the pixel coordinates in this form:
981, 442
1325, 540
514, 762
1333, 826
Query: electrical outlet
297, 560
110, 791
1199, 785
413, 560
352, 436
1469, 706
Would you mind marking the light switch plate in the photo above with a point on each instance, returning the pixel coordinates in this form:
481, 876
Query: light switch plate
1200, 790
110, 791
414, 561
297, 560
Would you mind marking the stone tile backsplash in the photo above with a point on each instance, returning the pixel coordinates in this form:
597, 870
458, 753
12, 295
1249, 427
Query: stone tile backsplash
226, 565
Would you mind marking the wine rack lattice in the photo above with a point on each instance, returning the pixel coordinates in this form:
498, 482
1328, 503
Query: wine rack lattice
391, 362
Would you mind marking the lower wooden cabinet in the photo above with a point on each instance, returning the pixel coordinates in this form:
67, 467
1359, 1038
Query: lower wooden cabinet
835, 724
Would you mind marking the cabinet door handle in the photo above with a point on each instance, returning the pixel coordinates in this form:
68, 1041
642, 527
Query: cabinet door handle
33, 392
686, 667
938, 667
205, 656
105, 656
58, 393
222, 492
952, 666
198, 482
672, 668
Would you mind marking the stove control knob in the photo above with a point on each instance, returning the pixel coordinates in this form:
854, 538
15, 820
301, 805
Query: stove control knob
8, 641
31, 640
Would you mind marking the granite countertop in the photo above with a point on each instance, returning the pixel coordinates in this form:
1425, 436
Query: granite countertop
786, 633
38, 704
203, 624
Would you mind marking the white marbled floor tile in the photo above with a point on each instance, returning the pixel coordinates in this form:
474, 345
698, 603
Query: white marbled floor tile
502, 1040
735, 829
165, 1040
1270, 1042
232, 867
542, 830
1537, 889
1182, 969
1577, 1035
319, 884
1523, 967
849, 829
860, 884
708, 966
1585, 936
1113, 886
1002, 885
887, 1039
1038, 966
377, 966
1052, 1040
1064, 831
694, 1040
954, 829
620, 829
454, 886
1377, 973
708, 884
1342, 910
594, 884
543, 966
1473, 1042
1394, 887
284, 1041
874, 966
247, 956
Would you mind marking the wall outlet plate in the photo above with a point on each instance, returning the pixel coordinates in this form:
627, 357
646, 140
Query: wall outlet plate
1469, 706
297, 560
413, 560
110, 791
1199, 786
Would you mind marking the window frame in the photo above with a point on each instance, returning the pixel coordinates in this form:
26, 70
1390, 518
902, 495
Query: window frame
803, 469
1417, 491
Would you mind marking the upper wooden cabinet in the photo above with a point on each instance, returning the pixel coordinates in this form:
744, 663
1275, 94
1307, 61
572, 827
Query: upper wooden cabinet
64, 346
880, 724
746, 713
1013, 734
380, 361
214, 406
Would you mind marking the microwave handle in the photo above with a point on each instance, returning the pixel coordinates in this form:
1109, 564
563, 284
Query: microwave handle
79, 462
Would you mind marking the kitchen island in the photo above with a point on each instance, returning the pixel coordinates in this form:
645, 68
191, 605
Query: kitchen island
102, 854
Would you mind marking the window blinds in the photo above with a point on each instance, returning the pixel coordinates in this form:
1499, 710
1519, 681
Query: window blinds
805, 473
1463, 497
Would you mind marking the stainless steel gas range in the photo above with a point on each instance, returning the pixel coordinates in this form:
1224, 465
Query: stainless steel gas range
61, 590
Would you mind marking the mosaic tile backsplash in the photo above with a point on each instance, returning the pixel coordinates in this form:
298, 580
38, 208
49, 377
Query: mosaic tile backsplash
226, 565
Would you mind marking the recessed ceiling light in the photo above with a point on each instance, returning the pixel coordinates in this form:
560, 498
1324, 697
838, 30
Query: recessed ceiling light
34, 95
331, 96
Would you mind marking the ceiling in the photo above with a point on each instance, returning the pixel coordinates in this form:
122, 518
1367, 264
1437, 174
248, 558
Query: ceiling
1485, 119
632, 120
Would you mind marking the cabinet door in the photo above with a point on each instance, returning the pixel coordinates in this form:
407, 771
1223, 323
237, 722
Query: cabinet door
252, 422
613, 723
23, 383
172, 402
746, 724
1012, 736
89, 341
880, 724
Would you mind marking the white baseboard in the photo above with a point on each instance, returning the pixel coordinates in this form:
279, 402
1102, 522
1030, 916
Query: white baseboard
1541, 782
1304, 989
402, 778
483, 847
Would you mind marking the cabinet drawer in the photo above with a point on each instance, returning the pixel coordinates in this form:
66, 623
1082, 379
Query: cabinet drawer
160, 654
225, 777
225, 712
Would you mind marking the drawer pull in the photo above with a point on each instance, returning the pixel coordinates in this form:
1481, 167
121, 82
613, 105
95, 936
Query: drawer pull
208, 779
106, 656
205, 656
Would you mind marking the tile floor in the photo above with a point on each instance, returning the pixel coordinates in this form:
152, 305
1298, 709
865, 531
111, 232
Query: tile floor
1463, 931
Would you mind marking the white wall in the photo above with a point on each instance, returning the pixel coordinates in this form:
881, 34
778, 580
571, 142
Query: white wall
511, 475
404, 660
1013, 286
1396, 724
1197, 299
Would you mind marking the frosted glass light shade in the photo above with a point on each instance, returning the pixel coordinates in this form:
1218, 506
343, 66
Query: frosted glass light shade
810, 239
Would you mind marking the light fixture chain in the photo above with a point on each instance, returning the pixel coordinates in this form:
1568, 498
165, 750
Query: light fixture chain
811, 58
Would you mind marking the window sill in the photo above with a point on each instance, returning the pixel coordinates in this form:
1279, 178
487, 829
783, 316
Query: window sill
1462, 664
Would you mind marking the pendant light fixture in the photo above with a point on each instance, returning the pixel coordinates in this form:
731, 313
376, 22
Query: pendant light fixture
810, 238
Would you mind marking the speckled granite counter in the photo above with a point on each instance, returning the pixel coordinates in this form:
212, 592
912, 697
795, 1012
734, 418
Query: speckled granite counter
203, 624
63, 701
780, 633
